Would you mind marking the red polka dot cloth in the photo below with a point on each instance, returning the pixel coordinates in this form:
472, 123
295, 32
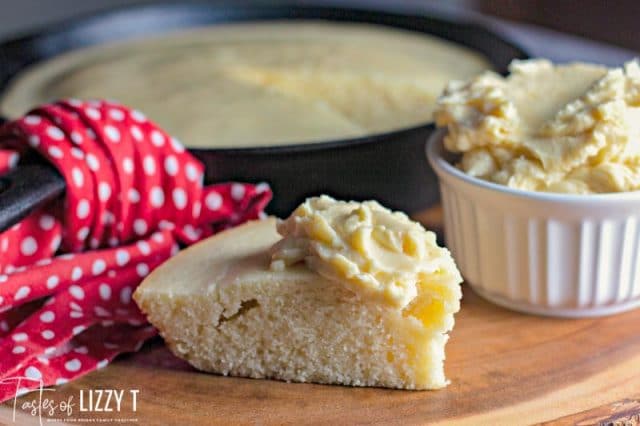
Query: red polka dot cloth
67, 272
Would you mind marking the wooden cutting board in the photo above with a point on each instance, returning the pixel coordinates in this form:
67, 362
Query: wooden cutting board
505, 368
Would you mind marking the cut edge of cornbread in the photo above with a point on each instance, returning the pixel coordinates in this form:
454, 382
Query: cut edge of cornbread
220, 307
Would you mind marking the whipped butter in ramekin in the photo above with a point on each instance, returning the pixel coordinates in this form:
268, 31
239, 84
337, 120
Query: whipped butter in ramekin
540, 181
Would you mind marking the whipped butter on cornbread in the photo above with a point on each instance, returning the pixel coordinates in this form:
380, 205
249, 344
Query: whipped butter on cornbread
381, 255
350, 293
571, 128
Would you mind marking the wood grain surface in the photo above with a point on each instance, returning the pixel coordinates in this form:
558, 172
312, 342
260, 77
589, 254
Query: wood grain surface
505, 368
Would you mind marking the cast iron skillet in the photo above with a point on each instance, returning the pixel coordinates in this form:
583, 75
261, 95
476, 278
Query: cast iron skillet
389, 167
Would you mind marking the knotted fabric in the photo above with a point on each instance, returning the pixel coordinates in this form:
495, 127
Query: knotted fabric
133, 197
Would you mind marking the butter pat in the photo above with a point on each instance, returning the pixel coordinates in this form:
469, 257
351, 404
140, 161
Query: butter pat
378, 254
560, 128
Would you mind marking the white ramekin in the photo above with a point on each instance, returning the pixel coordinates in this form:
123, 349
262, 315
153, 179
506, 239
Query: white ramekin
542, 253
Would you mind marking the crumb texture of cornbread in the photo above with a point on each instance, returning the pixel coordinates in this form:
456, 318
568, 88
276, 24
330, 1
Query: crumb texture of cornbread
219, 306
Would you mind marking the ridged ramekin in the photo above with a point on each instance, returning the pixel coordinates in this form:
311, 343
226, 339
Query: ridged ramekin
541, 253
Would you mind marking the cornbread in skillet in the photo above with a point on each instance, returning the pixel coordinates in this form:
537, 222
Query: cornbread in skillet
260, 83
571, 128
338, 293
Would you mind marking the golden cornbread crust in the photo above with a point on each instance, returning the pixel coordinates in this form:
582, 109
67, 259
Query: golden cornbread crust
220, 307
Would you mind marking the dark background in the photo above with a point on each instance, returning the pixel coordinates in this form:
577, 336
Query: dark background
612, 21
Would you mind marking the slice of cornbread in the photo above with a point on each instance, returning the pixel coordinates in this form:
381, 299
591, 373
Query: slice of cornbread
225, 307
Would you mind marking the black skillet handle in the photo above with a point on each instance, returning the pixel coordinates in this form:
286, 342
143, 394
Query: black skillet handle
26, 189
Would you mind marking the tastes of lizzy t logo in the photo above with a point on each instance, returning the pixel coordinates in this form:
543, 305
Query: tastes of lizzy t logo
87, 405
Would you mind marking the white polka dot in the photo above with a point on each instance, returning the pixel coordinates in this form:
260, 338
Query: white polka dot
81, 350
76, 137
102, 364
166, 225
52, 282
144, 247
47, 316
32, 120
122, 257
3, 278
93, 163
140, 226
105, 291
116, 114
74, 306
77, 292
177, 145
192, 172
157, 237
76, 314
127, 165
13, 160
77, 176
93, 113
157, 138
192, 232
156, 196
136, 133
142, 269
55, 133
83, 233
48, 334
104, 191
76, 273
61, 381
101, 312
22, 391
22, 293
78, 329
171, 165
197, 207
77, 153
33, 373
4, 326
55, 243
46, 222
74, 102
133, 195
262, 187
125, 295
213, 201
99, 266
34, 141
91, 133
179, 198
138, 116
20, 337
55, 152
149, 165
73, 365
237, 191
29, 246
18, 350
108, 218
82, 210
112, 133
